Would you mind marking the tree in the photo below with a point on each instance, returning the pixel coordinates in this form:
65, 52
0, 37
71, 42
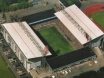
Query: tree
77, 2
5, 5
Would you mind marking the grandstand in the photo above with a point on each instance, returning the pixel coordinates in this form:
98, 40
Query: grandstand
25, 43
39, 17
70, 59
78, 24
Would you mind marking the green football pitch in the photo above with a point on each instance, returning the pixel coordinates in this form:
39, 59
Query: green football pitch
59, 44
98, 18
4, 71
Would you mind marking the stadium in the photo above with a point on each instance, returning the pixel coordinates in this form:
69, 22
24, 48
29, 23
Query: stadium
54, 40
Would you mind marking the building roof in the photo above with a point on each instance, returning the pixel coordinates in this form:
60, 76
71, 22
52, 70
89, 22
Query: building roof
80, 19
39, 17
25, 38
70, 58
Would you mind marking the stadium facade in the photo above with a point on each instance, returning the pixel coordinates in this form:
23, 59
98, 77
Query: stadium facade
25, 44
29, 48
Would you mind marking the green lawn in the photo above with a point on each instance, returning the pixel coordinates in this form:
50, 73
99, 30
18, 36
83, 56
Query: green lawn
98, 18
56, 40
4, 71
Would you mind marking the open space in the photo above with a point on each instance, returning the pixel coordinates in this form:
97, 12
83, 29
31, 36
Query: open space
98, 18
4, 71
56, 40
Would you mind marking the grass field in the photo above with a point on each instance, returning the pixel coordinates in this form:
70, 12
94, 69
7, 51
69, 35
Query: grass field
4, 71
98, 18
56, 41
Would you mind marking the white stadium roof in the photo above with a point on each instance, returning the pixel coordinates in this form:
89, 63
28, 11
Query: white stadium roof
23, 39
82, 20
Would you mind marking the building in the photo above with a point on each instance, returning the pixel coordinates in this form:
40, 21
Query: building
70, 59
25, 43
39, 18
75, 21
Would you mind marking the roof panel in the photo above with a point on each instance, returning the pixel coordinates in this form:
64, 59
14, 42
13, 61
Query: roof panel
71, 27
23, 40
39, 16
73, 13
86, 21
79, 22
70, 58
35, 37
18, 40
33, 49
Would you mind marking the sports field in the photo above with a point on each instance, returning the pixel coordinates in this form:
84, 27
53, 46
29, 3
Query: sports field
56, 41
98, 18
4, 71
